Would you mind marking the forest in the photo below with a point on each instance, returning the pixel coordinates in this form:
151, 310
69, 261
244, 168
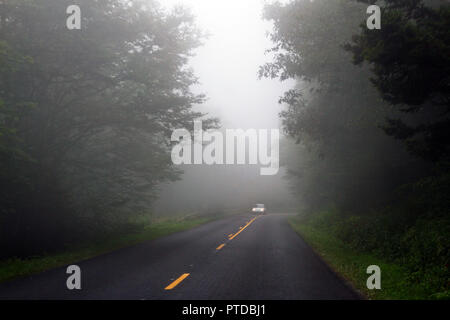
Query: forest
86, 120
86, 117
369, 126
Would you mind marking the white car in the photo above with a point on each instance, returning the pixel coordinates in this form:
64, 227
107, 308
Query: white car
259, 208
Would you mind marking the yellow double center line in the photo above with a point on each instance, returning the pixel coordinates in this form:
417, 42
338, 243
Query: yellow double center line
242, 229
231, 236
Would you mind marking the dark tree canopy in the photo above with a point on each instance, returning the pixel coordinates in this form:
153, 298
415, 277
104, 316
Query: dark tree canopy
86, 115
410, 61
334, 112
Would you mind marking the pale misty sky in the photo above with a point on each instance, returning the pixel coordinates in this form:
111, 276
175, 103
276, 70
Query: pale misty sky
227, 65
228, 62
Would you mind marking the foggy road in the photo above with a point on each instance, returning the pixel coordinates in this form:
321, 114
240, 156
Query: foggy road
240, 257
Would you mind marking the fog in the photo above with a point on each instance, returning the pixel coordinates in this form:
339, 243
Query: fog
102, 105
227, 67
228, 62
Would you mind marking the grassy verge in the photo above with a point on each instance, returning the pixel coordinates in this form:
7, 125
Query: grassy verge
14, 268
352, 265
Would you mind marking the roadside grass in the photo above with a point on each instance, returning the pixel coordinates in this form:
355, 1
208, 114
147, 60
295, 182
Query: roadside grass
15, 267
352, 265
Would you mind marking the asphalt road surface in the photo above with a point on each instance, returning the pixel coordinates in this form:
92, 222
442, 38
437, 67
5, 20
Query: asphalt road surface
240, 257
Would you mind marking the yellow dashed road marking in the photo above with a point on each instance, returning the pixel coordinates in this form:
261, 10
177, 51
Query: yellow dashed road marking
176, 282
242, 228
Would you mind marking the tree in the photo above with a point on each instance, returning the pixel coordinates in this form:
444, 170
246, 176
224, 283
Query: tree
334, 112
410, 60
102, 101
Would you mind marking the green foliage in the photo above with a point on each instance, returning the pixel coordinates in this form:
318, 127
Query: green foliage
352, 264
389, 204
420, 246
410, 60
86, 115
334, 113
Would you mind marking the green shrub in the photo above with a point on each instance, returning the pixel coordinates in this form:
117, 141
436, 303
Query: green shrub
420, 244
